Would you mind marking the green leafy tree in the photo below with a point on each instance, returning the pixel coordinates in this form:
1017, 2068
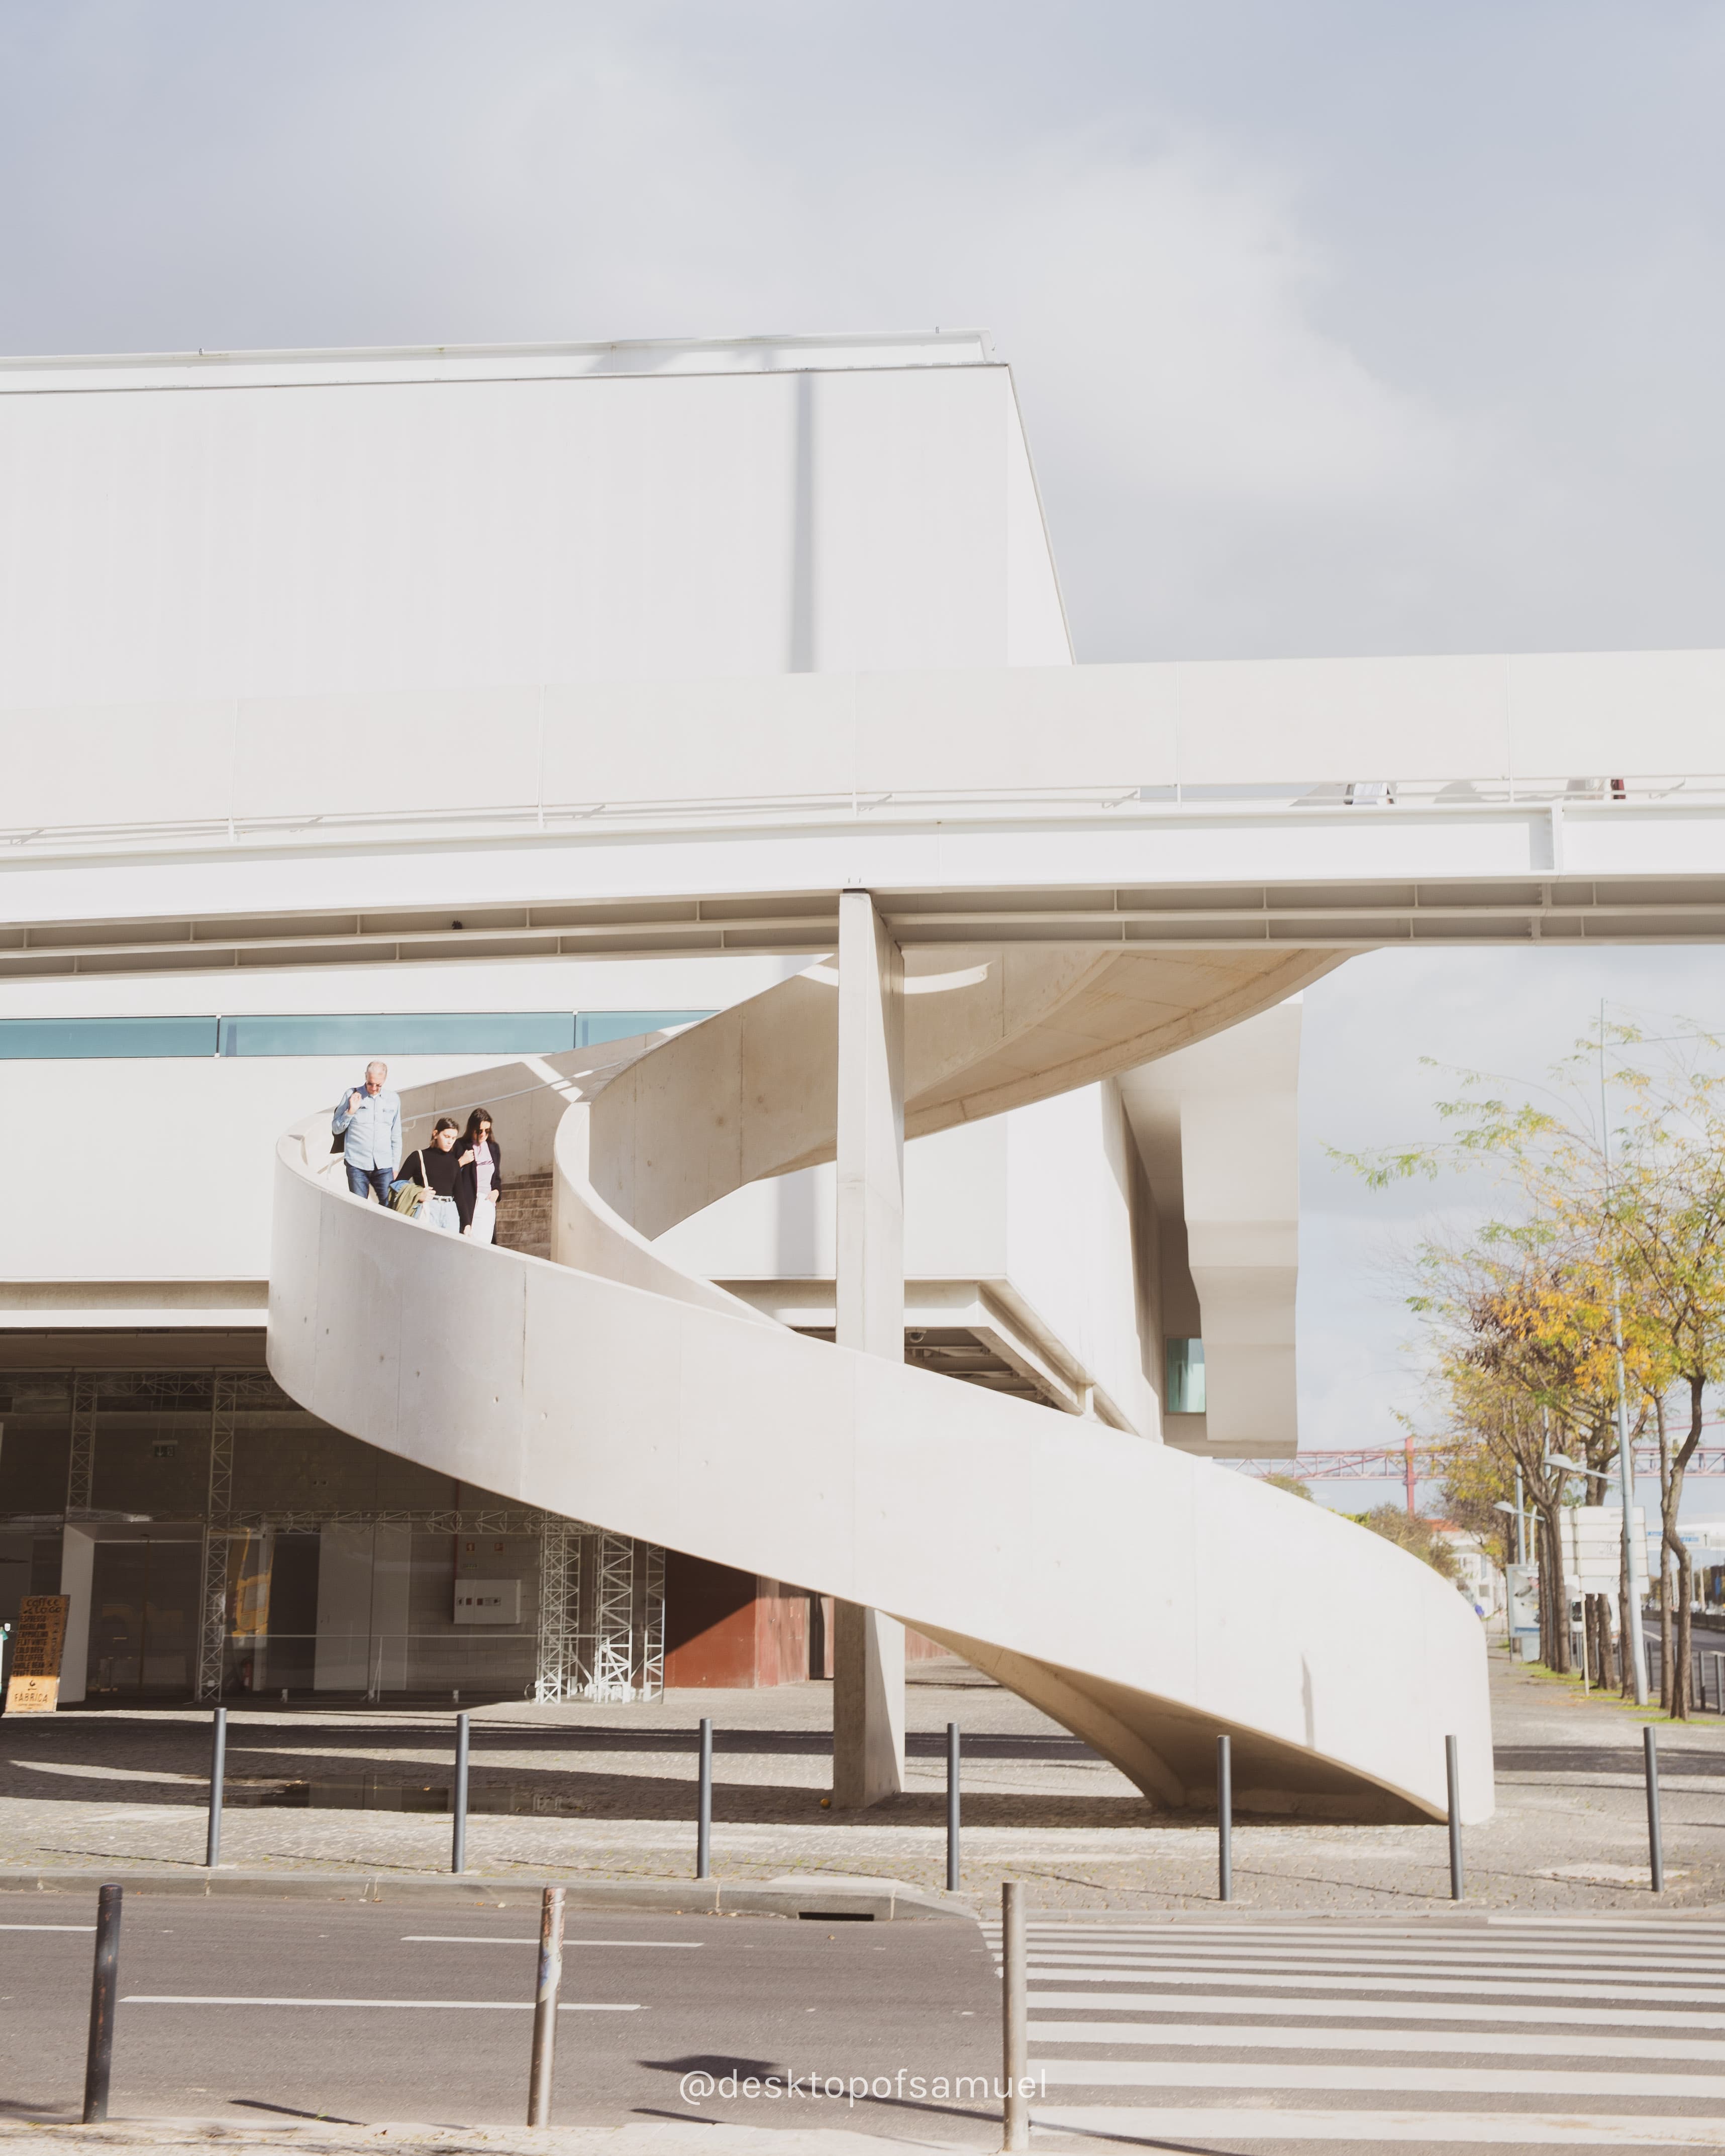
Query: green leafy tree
1608, 1280
1409, 1531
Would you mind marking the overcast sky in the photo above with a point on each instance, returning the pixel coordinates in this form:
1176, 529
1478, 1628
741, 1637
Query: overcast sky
1337, 327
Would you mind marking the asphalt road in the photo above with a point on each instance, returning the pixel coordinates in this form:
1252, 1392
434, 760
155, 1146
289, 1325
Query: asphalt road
208, 2025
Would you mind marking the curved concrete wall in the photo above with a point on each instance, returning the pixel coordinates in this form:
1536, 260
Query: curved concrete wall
1146, 1599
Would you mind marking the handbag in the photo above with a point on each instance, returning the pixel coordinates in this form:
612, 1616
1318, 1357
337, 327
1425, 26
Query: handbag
407, 1197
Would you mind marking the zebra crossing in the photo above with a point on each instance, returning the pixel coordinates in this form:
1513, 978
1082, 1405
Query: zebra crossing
1229, 2033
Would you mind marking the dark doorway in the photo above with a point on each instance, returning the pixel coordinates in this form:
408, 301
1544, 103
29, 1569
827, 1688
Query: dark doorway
293, 1614
143, 1625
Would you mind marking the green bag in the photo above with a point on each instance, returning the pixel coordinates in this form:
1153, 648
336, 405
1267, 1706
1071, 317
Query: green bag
407, 1197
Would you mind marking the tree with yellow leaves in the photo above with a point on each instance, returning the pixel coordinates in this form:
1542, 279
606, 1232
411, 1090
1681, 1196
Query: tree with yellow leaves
1613, 1264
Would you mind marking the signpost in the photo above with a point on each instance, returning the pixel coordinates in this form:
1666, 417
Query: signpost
1592, 1546
1523, 1581
34, 1687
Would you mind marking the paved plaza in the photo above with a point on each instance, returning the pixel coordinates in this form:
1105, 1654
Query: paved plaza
607, 1793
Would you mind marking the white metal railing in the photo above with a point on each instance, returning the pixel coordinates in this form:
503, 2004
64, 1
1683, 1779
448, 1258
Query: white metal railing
1446, 796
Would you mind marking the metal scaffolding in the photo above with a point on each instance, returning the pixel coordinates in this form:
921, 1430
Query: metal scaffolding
601, 1615
559, 1674
80, 1467
650, 1679
613, 1664
218, 1535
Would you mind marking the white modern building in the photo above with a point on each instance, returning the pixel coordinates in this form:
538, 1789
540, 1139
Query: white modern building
891, 1028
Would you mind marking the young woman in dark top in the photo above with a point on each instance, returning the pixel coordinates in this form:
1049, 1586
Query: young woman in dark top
479, 1179
435, 1168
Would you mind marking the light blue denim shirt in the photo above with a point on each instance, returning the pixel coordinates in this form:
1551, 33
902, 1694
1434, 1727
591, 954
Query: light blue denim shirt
373, 1131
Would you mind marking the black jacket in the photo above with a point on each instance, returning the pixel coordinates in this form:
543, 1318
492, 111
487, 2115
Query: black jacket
467, 1179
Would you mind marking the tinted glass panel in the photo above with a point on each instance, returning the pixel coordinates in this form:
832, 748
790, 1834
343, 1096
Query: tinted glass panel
594, 1027
1185, 1376
291, 1032
416, 1033
43, 1038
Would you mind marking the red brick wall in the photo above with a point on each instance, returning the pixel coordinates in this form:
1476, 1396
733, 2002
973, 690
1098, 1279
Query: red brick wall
709, 1623
730, 1630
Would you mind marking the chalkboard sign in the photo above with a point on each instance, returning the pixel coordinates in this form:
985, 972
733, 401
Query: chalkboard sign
34, 1684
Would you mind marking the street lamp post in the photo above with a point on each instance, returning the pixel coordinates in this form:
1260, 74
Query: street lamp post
1625, 1464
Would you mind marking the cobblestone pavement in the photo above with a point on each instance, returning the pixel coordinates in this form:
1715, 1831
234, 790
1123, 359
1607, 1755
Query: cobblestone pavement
316, 2137
608, 1792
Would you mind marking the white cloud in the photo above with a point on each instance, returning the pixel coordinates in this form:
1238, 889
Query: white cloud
1161, 312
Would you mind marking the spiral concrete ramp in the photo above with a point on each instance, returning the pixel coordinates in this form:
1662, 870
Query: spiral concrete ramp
1146, 1599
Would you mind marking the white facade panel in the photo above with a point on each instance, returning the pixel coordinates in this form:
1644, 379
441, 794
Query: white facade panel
1071, 1242
1036, 1202
303, 538
169, 1181
782, 1228
1603, 712
1037, 633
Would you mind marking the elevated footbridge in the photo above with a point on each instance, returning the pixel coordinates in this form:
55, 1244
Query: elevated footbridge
1343, 805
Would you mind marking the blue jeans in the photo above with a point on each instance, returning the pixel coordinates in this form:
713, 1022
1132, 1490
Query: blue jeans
361, 1179
440, 1213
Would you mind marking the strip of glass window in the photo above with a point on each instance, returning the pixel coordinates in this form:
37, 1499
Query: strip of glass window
298, 1033
45, 1040
401, 1033
1185, 1377
592, 1028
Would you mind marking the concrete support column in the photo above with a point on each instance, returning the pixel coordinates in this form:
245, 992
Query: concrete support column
78, 1585
868, 1648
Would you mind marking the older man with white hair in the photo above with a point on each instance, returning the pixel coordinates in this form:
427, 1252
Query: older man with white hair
367, 1120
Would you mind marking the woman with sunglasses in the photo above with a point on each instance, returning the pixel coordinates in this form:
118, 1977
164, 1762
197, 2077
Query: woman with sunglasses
479, 1179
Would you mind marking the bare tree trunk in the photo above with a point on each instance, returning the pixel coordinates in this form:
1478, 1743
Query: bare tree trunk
1685, 1687
1685, 1562
1666, 1540
1665, 1628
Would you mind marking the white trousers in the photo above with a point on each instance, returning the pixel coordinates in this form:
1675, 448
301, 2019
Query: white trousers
484, 1224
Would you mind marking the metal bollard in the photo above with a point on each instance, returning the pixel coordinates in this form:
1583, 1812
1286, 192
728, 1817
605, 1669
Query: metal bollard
105, 1982
952, 1808
1015, 2020
544, 2006
704, 1806
217, 1775
457, 1840
1452, 1776
1224, 1820
1655, 1840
